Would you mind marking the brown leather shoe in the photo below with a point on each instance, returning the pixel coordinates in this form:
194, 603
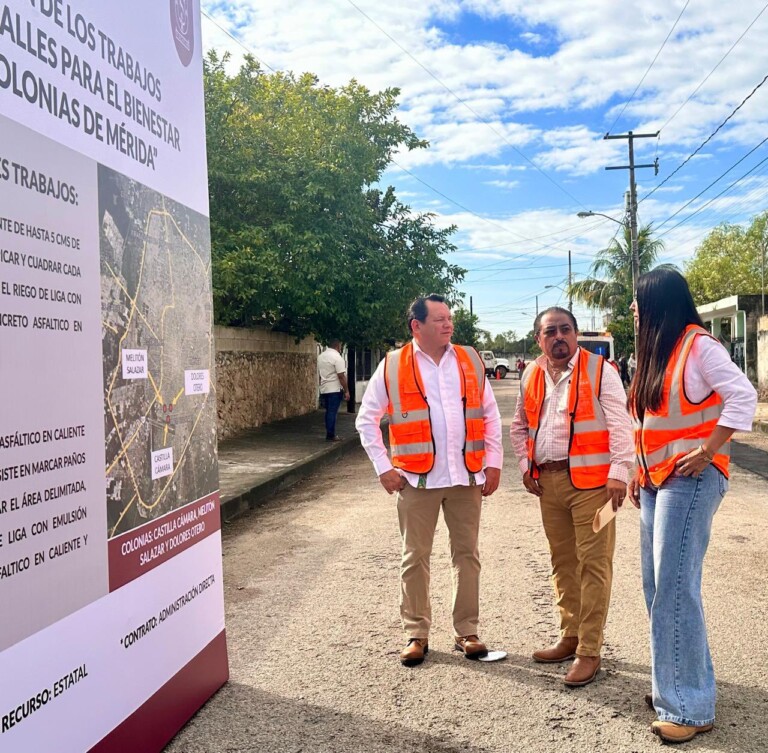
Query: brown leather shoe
563, 650
471, 646
677, 733
414, 652
582, 671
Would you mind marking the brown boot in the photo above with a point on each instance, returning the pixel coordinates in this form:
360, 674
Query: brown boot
471, 646
582, 671
563, 650
414, 652
677, 733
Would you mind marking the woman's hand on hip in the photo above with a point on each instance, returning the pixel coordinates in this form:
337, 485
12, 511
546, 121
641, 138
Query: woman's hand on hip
693, 463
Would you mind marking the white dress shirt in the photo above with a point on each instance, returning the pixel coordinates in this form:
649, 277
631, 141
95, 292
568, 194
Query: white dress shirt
553, 437
442, 387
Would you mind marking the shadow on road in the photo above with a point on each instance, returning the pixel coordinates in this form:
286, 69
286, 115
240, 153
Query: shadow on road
750, 458
248, 720
621, 687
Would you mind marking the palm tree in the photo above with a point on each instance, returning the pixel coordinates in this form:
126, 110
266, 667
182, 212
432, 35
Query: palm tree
609, 286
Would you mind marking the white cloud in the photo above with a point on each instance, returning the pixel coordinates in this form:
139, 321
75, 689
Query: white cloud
506, 185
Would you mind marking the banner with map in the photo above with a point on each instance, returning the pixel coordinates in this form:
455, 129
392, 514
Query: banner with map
110, 549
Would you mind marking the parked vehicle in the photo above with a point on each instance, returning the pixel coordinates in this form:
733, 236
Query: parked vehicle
494, 367
598, 342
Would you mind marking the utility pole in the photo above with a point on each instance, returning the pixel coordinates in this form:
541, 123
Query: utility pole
537, 305
630, 136
570, 282
470, 306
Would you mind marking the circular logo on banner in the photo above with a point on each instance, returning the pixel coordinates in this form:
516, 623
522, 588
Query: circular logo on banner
183, 29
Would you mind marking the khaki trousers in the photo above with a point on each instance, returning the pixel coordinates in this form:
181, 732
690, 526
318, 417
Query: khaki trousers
417, 511
582, 561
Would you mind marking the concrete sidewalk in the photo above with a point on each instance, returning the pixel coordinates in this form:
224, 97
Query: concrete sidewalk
263, 461
272, 458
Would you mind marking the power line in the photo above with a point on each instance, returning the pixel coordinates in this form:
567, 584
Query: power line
716, 180
674, 26
705, 142
706, 78
234, 38
521, 238
462, 102
475, 214
725, 190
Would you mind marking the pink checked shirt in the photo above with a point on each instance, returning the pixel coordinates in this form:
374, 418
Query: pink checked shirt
554, 427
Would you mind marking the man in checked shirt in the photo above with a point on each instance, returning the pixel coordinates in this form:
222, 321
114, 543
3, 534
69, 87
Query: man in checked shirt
573, 439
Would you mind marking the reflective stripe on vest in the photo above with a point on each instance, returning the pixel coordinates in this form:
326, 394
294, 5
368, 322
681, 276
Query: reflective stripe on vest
679, 426
589, 457
410, 427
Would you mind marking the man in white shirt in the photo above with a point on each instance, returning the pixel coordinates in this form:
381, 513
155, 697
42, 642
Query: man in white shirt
445, 438
333, 385
573, 439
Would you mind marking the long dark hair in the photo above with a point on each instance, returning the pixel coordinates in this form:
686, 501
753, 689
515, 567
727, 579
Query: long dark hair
666, 308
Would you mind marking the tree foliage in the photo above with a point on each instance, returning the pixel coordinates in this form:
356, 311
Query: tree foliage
302, 239
465, 330
728, 261
610, 279
609, 286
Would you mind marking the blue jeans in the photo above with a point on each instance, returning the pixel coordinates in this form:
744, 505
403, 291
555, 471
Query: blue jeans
675, 524
332, 401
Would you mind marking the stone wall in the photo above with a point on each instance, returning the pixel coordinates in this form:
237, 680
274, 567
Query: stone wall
762, 357
262, 376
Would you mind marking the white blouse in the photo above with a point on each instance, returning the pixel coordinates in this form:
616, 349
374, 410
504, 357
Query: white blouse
709, 368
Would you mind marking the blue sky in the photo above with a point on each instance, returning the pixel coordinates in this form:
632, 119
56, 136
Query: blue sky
515, 98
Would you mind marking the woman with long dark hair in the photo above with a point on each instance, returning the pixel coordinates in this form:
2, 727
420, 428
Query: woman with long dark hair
687, 399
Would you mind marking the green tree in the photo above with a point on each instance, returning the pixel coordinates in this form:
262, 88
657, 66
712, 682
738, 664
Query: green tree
502, 343
609, 286
302, 240
728, 261
465, 330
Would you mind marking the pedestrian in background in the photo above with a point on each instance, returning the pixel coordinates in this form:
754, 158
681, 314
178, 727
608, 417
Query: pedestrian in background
445, 438
332, 372
624, 371
573, 439
632, 366
687, 399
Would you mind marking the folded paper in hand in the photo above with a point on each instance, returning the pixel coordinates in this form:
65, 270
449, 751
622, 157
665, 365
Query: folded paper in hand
603, 516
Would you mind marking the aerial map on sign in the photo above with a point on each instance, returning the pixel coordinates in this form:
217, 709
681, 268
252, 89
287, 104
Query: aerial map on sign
160, 413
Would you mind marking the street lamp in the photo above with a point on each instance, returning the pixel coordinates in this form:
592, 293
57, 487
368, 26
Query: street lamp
635, 249
567, 292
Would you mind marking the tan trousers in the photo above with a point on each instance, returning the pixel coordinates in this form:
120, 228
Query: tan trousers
418, 510
582, 561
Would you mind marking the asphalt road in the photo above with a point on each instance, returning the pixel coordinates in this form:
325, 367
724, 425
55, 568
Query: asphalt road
311, 585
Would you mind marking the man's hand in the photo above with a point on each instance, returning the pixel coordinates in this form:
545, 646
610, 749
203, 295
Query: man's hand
532, 484
346, 394
616, 491
634, 492
392, 481
492, 476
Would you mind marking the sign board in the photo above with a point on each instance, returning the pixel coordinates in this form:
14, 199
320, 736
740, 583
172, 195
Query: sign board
112, 633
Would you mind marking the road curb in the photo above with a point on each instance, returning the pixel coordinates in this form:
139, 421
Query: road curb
263, 492
761, 426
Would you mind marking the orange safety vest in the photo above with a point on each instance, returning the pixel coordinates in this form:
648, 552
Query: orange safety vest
679, 426
410, 425
589, 456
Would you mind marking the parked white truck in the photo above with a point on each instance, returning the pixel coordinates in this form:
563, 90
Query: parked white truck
494, 366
